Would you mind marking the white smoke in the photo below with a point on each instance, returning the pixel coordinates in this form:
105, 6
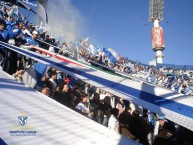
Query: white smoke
64, 20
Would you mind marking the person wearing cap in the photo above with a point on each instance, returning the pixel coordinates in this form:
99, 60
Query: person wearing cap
31, 41
164, 132
159, 125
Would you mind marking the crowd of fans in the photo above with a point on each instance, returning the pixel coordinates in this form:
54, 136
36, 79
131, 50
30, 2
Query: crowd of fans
178, 80
103, 107
117, 114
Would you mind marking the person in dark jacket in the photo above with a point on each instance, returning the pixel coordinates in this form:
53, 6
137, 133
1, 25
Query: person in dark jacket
139, 128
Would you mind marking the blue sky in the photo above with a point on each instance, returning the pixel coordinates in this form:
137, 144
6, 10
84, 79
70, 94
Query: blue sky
123, 26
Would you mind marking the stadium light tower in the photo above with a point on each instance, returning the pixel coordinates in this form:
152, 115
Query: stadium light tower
156, 10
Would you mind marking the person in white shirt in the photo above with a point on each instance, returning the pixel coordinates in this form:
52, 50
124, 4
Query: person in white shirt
113, 122
84, 106
103, 95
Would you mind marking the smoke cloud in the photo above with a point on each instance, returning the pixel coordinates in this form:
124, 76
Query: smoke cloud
64, 19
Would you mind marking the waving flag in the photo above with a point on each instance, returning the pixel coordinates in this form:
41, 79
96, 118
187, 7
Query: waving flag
42, 29
92, 48
111, 54
13, 11
10, 11
33, 74
33, 6
85, 42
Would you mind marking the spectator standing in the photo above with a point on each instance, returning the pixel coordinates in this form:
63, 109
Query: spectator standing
31, 42
83, 106
164, 132
113, 122
10, 23
14, 39
48, 41
96, 108
139, 128
161, 124
52, 81
120, 105
4, 37
106, 108
124, 121
66, 94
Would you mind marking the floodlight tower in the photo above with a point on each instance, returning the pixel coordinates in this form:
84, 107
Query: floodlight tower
156, 10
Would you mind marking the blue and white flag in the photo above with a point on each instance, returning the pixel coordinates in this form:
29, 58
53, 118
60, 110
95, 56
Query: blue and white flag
42, 29
35, 7
33, 74
111, 54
